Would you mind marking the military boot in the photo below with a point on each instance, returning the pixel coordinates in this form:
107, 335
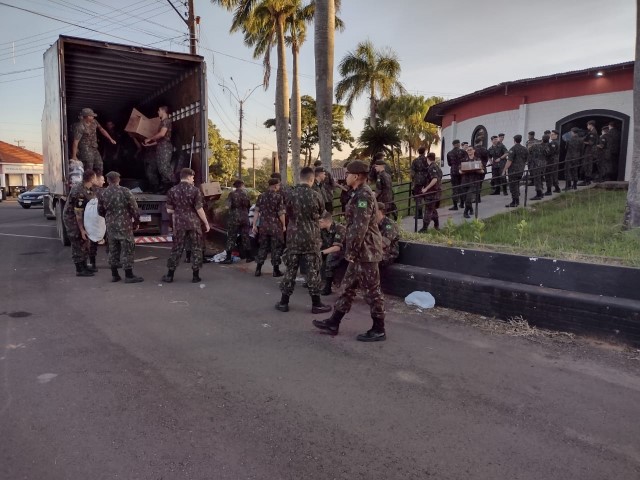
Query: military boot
283, 304
436, 224
548, 192
575, 184
276, 271
538, 196
168, 278
196, 277
228, 259
455, 206
258, 270
129, 277
81, 270
327, 286
556, 188
376, 334
496, 191
92, 265
504, 191
567, 185
330, 325
115, 276
317, 306
514, 203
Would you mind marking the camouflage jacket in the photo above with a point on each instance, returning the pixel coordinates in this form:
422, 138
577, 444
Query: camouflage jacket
602, 142
165, 123
532, 141
335, 235
483, 155
390, 240
329, 185
574, 148
86, 134
434, 171
538, 154
304, 208
554, 151
419, 168
384, 191
364, 242
120, 211
496, 151
271, 206
77, 200
454, 158
185, 199
518, 156
239, 204
321, 191
590, 141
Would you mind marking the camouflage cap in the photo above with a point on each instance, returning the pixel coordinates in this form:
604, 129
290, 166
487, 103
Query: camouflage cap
357, 167
87, 112
319, 170
112, 175
273, 181
532, 133
238, 183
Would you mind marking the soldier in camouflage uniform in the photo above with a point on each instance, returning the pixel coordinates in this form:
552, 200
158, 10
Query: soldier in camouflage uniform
390, 237
184, 202
120, 211
97, 188
384, 188
454, 158
600, 158
332, 235
304, 208
431, 194
363, 252
419, 178
269, 215
514, 169
537, 161
164, 150
73, 218
612, 152
551, 171
532, 139
590, 142
498, 155
572, 159
85, 140
472, 183
329, 185
238, 203
318, 185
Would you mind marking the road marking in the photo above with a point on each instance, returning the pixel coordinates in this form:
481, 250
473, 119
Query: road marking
28, 225
153, 246
27, 236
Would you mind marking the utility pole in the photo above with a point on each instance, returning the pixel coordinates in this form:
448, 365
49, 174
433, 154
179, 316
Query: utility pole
253, 149
240, 101
191, 22
18, 142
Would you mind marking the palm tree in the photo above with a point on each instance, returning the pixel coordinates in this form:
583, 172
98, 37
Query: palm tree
371, 71
632, 212
324, 32
380, 138
263, 24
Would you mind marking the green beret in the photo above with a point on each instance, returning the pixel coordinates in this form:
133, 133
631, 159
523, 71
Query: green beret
380, 162
357, 166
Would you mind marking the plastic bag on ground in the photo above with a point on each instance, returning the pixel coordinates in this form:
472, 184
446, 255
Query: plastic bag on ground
420, 300
94, 224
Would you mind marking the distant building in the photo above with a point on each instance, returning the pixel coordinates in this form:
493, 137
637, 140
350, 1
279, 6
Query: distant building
19, 167
559, 101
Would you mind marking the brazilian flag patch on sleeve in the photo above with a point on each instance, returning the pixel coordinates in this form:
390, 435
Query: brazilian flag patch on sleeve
362, 204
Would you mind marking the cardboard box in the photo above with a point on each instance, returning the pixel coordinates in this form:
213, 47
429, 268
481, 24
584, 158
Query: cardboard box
211, 189
472, 166
141, 126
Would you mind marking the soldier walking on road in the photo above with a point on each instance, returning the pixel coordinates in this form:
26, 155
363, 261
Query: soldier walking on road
384, 187
514, 169
85, 140
73, 218
238, 203
551, 171
363, 252
572, 159
455, 157
431, 194
184, 202
269, 215
498, 155
304, 208
120, 211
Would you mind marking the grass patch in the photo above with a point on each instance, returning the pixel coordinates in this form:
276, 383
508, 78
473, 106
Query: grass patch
585, 225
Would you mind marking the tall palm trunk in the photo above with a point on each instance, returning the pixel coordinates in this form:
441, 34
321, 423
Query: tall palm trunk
324, 33
296, 118
632, 213
372, 109
282, 101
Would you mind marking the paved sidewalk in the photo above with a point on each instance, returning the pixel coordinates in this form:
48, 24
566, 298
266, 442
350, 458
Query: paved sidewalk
491, 205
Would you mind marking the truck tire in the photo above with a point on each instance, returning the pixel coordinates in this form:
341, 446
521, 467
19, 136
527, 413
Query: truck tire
47, 205
62, 230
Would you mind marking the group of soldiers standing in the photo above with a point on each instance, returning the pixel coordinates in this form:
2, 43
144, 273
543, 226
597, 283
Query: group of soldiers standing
591, 157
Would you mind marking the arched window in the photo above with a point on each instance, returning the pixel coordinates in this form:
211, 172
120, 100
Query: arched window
480, 137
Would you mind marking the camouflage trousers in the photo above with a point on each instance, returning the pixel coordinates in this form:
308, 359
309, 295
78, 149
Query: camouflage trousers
164, 150
457, 191
91, 159
191, 240
514, 184
79, 247
271, 242
233, 230
571, 169
430, 204
292, 262
121, 253
551, 173
536, 170
366, 276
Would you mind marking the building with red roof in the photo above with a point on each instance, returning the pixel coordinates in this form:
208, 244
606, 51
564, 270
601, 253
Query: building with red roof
19, 167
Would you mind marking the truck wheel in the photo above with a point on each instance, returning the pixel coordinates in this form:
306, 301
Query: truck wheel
47, 205
62, 230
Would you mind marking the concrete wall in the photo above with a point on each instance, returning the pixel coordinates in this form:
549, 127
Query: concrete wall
540, 117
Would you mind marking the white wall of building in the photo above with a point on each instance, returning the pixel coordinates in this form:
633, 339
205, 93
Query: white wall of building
540, 117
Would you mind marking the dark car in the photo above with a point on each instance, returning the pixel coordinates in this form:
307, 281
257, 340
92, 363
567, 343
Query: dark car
33, 197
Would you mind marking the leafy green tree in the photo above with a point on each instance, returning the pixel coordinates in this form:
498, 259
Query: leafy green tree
369, 71
223, 156
380, 138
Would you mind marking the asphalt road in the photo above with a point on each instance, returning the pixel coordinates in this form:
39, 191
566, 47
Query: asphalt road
184, 381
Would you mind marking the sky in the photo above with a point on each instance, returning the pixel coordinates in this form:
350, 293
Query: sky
446, 48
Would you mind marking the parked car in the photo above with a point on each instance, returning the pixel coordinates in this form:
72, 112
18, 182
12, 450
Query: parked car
33, 197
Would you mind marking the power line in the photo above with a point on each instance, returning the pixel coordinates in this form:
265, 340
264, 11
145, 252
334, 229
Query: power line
21, 71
